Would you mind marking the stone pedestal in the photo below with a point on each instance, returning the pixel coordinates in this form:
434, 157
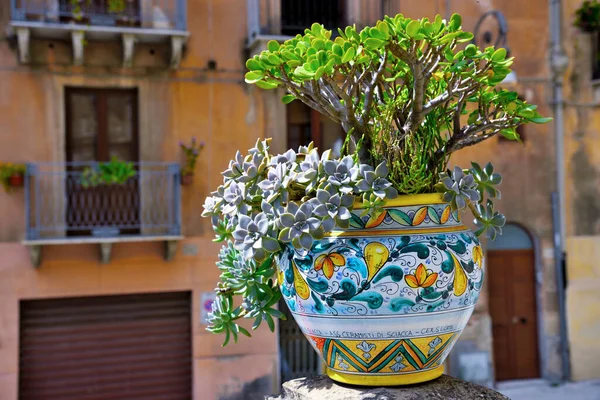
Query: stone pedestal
443, 388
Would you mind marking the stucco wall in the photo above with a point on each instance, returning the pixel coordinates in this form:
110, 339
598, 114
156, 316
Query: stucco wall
582, 168
215, 106
69, 271
583, 306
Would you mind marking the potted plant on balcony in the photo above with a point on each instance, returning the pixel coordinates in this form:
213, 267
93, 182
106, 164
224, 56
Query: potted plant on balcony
587, 17
12, 175
100, 181
191, 153
368, 250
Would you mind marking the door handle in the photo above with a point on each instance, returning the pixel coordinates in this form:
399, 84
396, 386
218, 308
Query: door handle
516, 320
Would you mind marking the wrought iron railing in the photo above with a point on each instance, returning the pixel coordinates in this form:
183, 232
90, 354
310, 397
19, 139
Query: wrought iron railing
290, 17
60, 202
151, 14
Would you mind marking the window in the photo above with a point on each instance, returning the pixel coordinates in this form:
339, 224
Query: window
306, 125
298, 15
100, 124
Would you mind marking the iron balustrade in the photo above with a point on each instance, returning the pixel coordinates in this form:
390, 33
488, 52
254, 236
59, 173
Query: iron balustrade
61, 205
149, 14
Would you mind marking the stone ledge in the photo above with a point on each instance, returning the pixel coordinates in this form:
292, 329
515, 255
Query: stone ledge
443, 388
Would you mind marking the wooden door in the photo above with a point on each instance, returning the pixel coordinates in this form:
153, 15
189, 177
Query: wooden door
101, 124
511, 280
133, 347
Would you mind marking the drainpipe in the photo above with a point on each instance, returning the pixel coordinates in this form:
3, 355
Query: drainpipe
558, 66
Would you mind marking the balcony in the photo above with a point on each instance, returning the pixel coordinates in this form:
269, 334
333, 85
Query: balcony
283, 19
130, 21
62, 208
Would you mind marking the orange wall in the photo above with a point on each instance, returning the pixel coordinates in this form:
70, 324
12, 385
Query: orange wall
215, 106
70, 271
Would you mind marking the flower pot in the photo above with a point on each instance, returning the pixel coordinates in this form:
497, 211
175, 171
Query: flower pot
16, 180
187, 179
384, 301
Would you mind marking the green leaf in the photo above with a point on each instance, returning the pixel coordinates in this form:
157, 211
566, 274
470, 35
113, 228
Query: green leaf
253, 77
540, 120
349, 55
254, 65
273, 59
288, 98
400, 217
273, 45
244, 331
319, 73
384, 28
455, 22
316, 28
337, 50
465, 37
499, 55
374, 44
412, 29
270, 322
266, 85
510, 134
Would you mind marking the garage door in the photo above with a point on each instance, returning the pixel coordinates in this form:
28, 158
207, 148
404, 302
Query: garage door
112, 347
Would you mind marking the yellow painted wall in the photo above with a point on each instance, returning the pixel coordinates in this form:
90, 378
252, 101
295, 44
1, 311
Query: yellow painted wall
583, 306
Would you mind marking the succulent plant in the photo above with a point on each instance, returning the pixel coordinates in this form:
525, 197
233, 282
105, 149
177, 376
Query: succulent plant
333, 208
486, 180
252, 237
374, 181
341, 173
234, 197
299, 227
277, 182
489, 221
461, 189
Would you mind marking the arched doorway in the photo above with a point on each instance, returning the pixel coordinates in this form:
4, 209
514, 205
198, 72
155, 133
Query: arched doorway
513, 305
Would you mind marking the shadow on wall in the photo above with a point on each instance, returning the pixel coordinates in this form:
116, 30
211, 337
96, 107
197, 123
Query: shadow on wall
586, 207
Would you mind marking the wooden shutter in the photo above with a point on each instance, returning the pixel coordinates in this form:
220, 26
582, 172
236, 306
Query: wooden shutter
110, 347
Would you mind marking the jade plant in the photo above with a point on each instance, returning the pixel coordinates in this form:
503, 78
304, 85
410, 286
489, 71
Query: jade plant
408, 93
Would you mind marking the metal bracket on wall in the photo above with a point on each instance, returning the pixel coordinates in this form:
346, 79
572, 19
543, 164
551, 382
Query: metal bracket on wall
77, 41
170, 249
23, 41
35, 253
128, 47
105, 252
177, 43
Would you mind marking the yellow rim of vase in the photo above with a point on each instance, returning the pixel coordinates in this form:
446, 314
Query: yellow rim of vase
409, 200
385, 380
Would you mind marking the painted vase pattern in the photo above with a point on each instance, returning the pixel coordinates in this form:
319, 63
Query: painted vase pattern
386, 299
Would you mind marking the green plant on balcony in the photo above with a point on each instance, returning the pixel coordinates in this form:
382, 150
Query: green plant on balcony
114, 172
114, 7
587, 17
11, 175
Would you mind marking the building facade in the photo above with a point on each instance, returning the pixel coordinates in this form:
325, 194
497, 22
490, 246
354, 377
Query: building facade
82, 85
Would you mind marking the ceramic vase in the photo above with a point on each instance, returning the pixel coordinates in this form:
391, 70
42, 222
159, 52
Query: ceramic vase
384, 301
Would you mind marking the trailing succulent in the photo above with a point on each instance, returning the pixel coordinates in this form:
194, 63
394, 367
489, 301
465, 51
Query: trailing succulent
407, 96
